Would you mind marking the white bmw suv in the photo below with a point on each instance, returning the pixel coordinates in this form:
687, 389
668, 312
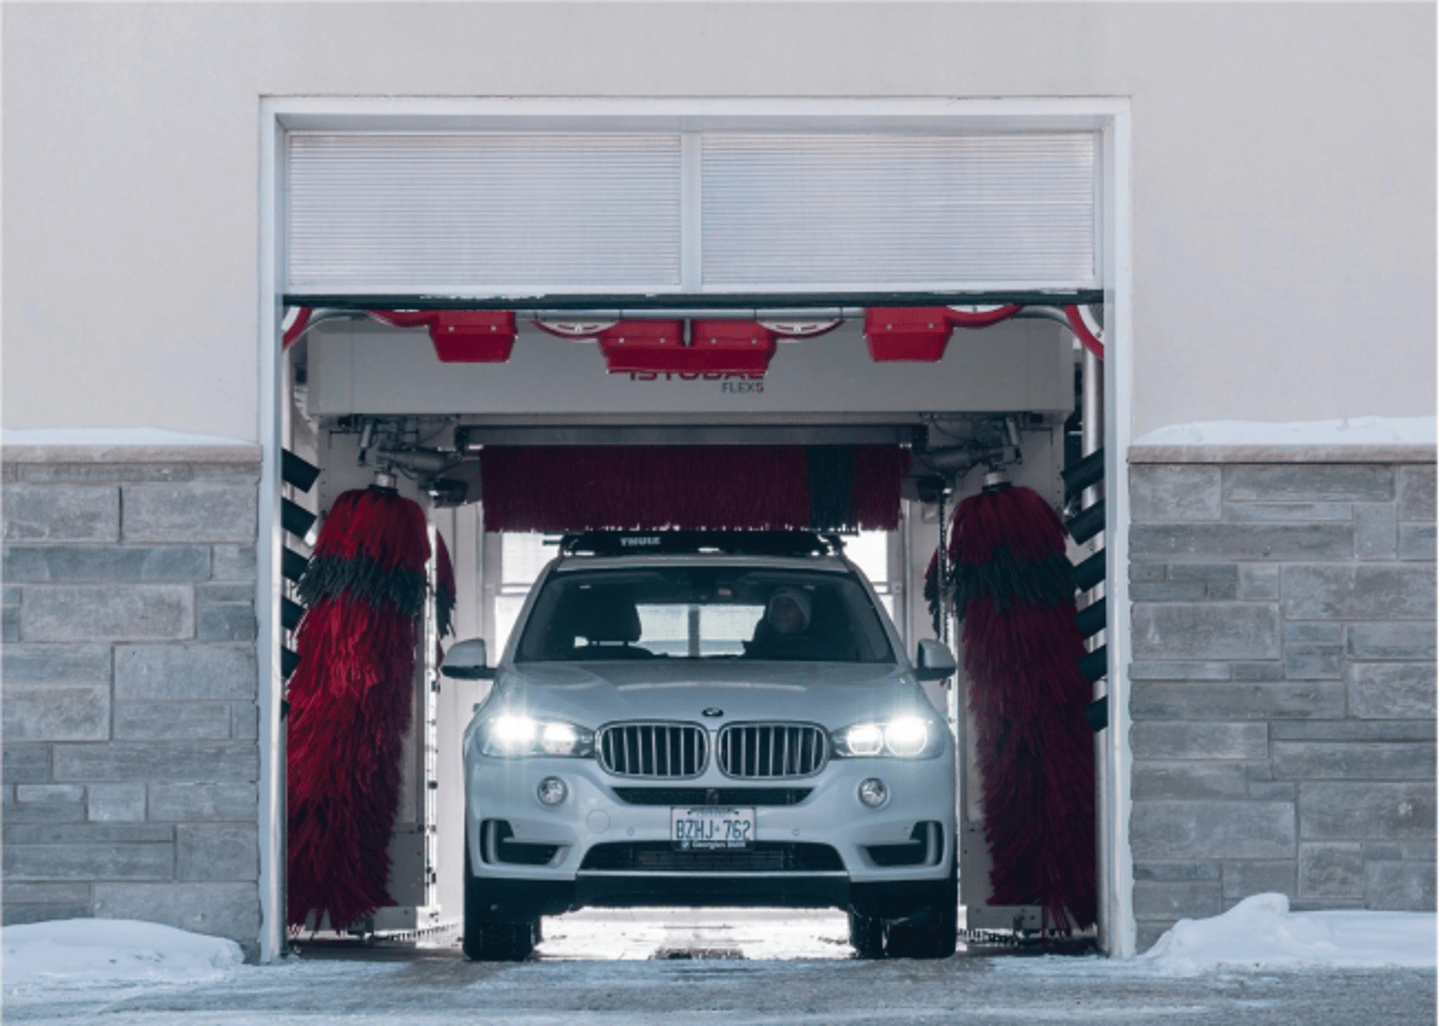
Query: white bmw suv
708, 719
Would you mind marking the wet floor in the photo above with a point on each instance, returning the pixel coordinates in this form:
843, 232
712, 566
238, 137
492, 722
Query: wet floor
632, 935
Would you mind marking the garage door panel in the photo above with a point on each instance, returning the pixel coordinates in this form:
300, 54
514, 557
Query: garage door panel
401, 213
911, 212
482, 214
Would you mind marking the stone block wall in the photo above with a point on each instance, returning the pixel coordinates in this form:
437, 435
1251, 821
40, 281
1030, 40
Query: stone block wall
131, 754
1282, 683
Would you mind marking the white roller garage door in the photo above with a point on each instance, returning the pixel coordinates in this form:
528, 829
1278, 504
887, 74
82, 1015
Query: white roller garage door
472, 214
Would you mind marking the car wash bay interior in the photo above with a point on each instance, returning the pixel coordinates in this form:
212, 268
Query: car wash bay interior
922, 287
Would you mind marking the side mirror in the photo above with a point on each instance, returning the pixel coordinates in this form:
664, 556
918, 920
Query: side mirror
934, 661
466, 661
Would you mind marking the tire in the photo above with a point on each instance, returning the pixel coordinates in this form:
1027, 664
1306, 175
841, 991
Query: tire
931, 932
487, 939
867, 935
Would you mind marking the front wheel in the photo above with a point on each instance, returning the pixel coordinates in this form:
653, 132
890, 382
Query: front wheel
487, 938
931, 932
867, 935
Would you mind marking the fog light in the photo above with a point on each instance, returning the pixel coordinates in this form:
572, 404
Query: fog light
873, 792
552, 790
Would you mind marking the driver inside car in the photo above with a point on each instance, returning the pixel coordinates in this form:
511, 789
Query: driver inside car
780, 634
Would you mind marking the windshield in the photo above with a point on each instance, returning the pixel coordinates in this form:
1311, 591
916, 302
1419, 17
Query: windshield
710, 612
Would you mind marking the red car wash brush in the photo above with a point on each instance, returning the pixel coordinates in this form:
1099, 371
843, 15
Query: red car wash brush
351, 703
1013, 588
739, 487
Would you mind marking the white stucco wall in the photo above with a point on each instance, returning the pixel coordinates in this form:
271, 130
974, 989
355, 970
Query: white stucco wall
1283, 178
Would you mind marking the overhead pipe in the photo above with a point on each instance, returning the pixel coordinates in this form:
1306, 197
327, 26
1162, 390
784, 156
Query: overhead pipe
671, 303
959, 459
422, 461
1062, 308
706, 313
309, 317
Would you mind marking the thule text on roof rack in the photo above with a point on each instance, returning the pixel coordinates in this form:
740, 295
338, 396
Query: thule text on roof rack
767, 543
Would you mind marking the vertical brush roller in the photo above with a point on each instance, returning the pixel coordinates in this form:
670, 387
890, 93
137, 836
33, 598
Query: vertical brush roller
351, 703
1013, 588
934, 593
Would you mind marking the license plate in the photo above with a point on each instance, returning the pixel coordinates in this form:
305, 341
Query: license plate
709, 826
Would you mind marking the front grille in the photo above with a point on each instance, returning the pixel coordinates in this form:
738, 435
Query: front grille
744, 796
758, 751
655, 750
761, 857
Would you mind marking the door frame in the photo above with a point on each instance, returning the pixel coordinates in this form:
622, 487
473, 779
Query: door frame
1108, 116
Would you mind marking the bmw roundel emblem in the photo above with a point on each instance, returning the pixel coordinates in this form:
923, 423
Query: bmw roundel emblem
712, 712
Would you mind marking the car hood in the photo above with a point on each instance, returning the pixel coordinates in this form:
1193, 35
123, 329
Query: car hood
833, 695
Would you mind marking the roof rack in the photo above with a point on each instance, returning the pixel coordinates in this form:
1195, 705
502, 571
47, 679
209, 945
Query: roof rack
751, 543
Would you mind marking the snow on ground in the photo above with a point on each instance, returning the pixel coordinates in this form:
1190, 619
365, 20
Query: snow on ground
111, 436
1351, 431
740, 967
1259, 933
112, 950
1262, 932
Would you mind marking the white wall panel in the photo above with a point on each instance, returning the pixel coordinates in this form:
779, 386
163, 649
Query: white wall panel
1282, 187
810, 211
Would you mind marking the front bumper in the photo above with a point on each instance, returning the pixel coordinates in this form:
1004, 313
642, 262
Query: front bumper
831, 817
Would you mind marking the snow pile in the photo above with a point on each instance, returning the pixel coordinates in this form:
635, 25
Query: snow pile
1353, 431
111, 436
95, 950
1261, 931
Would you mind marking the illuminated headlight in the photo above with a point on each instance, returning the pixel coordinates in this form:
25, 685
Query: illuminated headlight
864, 739
906, 737
513, 736
558, 739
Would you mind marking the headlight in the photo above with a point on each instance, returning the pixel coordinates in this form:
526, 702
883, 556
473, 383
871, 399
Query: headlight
510, 735
906, 737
